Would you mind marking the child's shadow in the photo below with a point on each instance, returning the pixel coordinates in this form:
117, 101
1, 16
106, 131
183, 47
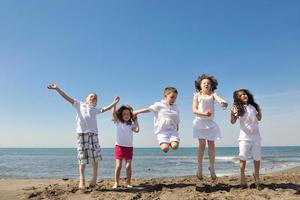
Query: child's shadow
150, 187
227, 187
274, 186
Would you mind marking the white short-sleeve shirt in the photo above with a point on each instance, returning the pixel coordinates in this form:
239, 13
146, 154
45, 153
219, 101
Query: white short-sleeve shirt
124, 134
166, 117
86, 117
249, 124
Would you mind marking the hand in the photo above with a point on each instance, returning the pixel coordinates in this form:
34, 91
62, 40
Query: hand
208, 114
117, 99
234, 111
52, 86
224, 104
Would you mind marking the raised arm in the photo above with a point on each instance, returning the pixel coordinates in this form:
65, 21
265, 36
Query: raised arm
66, 97
221, 101
136, 127
108, 107
195, 108
114, 113
233, 114
143, 110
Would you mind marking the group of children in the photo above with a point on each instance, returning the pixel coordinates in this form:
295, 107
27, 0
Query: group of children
166, 126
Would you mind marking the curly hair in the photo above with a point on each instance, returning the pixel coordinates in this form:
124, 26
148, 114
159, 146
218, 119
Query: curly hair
240, 105
213, 80
120, 114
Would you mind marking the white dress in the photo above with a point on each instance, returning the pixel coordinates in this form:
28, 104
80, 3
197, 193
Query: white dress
203, 126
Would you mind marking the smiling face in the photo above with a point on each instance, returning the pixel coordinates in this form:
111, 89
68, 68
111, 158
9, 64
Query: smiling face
91, 99
126, 115
170, 97
206, 85
243, 97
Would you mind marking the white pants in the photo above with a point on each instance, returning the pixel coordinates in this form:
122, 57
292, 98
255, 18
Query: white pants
168, 137
246, 145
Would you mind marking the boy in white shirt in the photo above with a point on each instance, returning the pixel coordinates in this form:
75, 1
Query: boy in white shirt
88, 147
166, 120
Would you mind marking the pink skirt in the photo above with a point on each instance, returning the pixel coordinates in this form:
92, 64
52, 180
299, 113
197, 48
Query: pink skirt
122, 153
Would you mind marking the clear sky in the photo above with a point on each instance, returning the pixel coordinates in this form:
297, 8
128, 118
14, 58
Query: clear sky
136, 48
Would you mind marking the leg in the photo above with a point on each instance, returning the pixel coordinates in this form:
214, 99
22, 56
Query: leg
82, 176
128, 173
244, 148
95, 174
211, 155
200, 154
256, 151
164, 147
242, 170
174, 145
117, 172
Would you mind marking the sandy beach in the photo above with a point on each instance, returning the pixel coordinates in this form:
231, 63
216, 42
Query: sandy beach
280, 185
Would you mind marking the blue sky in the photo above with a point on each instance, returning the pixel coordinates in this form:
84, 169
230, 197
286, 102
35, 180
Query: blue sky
136, 48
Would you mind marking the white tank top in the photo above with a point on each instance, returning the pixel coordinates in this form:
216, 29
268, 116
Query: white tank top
206, 104
124, 134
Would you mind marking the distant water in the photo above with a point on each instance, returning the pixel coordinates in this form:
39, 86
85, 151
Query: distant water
57, 163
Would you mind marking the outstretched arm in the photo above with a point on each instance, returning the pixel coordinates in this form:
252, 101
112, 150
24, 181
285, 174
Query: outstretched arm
221, 101
66, 97
115, 101
144, 110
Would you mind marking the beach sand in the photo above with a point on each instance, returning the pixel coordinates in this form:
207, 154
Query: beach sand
281, 185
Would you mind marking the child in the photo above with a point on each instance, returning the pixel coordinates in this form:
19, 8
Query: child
204, 128
166, 120
126, 124
88, 147
249, 113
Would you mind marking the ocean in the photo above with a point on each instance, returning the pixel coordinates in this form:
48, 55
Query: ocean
58, 163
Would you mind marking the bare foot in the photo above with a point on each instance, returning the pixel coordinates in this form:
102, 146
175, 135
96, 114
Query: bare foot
257, 181
199, 175
115, 186
81, 185
243, 181
212, 173
128, 183
93, 183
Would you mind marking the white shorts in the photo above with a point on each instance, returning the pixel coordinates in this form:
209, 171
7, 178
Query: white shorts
168, 137
245, 146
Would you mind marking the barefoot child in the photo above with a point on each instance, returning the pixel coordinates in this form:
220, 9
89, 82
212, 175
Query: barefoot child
204, 128
125, 124
248, 112
166, 120
88, 147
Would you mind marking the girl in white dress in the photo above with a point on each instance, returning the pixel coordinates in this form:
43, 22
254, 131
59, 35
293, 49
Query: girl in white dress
248, 112
204, 128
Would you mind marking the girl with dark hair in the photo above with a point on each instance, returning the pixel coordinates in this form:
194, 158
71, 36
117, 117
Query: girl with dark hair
125, 124
204, 127
248, 112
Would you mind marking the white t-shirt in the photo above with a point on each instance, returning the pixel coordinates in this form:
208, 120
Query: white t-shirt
166, 117
124, 134
86, 117
249, 124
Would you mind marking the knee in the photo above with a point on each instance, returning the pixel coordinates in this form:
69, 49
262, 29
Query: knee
128, 167
165, 149
175, 146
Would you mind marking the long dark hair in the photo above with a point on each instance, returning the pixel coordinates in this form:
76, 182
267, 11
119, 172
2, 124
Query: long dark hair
120, 112
213, 81
240, 105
